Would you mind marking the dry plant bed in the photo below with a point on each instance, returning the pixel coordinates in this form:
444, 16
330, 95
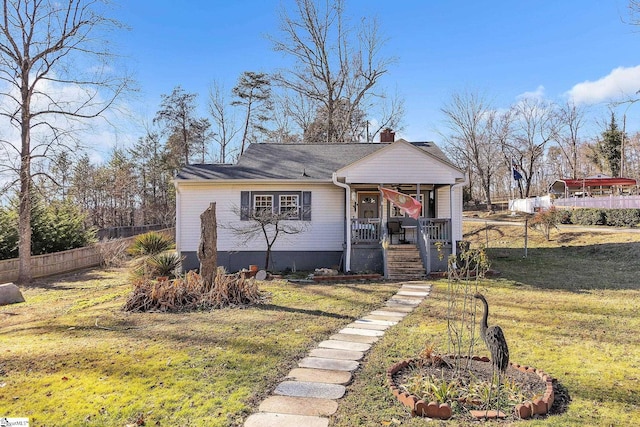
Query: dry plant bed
191, 293
530, 381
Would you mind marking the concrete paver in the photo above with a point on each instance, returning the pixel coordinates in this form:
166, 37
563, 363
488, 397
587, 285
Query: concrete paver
330, 364
360, 331
354, 338
390, 313
299, 405
320, 376
364, 325
393, 305
391, 317
332, 353
412, 293
309, 389
416, 286
345, 345
377, 320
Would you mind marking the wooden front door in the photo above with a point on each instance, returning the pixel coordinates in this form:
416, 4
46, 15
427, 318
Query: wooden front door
368, 205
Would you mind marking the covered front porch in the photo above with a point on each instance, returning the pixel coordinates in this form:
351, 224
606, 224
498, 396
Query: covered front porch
373, 225
377, 226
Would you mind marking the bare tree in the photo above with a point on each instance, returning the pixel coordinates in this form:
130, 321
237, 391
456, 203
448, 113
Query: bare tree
571, 119
40, 41
391, 114
266, 223
474, 127
300, 109
535, 125
334, 67
224, 124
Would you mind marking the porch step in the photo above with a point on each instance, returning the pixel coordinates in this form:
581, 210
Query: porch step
404, 263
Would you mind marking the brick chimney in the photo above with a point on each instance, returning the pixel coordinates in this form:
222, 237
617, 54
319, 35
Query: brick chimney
387, 135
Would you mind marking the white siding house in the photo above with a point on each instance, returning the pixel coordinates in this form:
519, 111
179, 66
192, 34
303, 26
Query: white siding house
335, 189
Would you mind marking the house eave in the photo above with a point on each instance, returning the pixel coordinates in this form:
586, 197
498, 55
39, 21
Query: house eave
250, 181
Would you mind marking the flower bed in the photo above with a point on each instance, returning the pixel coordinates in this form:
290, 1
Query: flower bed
432, 409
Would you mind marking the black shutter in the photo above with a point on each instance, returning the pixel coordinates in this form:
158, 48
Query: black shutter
306, 205
245, 205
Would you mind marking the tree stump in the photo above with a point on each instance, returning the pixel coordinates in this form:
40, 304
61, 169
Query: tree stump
208, 250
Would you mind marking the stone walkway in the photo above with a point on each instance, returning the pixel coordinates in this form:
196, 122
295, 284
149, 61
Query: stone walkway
309, 394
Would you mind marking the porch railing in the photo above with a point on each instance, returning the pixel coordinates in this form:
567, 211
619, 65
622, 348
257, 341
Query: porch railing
432, 230
436, 229
365, 230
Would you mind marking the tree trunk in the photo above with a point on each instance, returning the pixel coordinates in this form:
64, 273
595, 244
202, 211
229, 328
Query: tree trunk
207, 250
24, 221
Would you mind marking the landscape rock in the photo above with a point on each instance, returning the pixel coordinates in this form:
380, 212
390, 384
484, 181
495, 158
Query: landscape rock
10, 294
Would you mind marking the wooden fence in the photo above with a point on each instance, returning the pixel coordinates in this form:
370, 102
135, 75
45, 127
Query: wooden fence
58, 262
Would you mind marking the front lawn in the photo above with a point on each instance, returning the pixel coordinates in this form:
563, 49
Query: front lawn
70, 357
571, 308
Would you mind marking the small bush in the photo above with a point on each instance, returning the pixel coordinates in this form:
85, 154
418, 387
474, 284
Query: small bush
545, 220
589, 217
113, 253
151, 243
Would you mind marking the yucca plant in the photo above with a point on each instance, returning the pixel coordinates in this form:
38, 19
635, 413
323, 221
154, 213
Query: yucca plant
151, 243
163, 264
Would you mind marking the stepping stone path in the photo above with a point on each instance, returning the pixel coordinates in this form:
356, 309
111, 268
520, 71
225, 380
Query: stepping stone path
310, 393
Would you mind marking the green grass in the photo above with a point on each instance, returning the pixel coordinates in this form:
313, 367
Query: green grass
571, 308
70, 357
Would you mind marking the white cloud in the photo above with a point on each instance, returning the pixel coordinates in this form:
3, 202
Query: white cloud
536, 94
619, 83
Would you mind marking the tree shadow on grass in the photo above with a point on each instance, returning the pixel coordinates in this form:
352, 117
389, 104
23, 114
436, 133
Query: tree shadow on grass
66, 281
571, 268
319, 313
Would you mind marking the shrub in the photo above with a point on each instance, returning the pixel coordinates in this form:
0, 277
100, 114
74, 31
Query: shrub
545, 220
564, 216
8, 233
588, 217
56, 226
113, 253
151, 243
623, 217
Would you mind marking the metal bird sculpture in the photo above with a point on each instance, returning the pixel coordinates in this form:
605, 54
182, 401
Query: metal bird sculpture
494, 339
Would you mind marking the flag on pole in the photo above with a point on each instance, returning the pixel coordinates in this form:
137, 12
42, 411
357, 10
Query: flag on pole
516, 175
406, 203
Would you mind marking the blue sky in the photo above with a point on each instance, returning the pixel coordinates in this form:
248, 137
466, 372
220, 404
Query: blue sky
504, 49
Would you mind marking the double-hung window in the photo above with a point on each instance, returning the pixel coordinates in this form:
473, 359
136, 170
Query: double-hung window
263, 203
290, 206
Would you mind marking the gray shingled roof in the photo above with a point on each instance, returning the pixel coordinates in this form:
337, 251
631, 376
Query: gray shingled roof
292, 161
